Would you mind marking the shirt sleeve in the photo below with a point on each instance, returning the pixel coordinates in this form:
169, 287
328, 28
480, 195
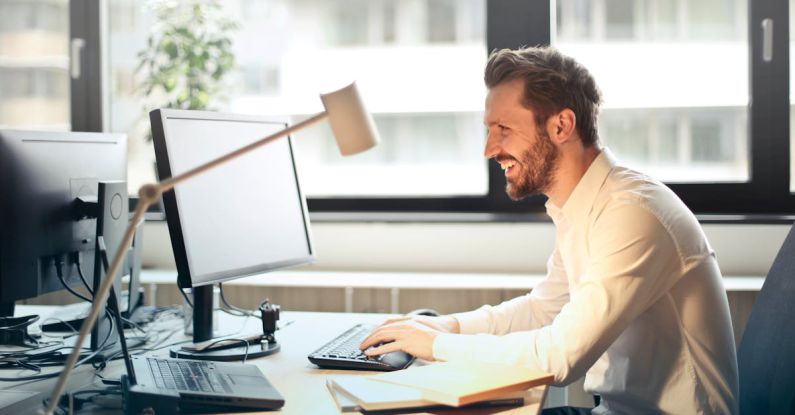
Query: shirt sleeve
533, 310
632, 262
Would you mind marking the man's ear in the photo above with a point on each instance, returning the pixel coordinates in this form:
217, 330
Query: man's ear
561, 126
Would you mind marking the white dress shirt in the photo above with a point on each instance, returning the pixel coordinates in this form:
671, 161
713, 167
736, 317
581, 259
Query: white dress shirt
633, 300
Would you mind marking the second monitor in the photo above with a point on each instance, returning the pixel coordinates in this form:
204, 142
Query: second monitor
243, 218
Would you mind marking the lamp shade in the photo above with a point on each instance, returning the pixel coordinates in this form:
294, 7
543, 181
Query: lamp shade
352, 125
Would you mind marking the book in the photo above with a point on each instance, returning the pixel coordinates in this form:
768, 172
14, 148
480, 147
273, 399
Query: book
360, 393
462, 383
344, 402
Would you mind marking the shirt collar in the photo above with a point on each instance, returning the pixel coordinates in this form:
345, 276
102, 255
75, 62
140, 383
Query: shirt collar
582, 198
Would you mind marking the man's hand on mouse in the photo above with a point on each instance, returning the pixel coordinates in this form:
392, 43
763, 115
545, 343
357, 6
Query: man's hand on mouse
411, 334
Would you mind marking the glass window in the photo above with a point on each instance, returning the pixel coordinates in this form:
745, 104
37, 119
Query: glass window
34, 65
716, 19
574, 19
620, 19
627, 134
441, 21
423, 84
349, 22
708, 142
674, 79
666, 141
389, 22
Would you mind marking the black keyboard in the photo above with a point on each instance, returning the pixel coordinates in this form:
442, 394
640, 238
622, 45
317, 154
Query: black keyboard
343, 353
186, 375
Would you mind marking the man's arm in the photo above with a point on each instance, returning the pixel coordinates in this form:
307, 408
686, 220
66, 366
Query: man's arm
633, 263
533, 310
416, 334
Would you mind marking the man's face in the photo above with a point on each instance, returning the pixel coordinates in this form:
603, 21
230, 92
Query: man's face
522, 148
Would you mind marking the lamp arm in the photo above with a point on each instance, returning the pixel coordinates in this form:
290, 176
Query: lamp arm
149, 194
169, 183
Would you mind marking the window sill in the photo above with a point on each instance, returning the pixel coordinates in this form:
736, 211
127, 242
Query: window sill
534, 217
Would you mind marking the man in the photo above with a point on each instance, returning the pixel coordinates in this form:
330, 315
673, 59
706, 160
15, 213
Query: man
633, 297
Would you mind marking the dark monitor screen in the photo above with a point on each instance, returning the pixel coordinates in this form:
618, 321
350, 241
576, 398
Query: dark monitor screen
41, 174
245, 217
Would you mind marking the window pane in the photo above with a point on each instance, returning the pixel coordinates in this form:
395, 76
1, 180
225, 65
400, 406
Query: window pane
418, 66
34, 62
674, 78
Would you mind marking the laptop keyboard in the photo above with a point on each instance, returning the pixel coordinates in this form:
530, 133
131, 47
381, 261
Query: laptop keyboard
343, 353
186, 375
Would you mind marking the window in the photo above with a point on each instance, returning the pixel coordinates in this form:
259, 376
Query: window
34, 77
689, 97
420, 75
677, 81
698, 62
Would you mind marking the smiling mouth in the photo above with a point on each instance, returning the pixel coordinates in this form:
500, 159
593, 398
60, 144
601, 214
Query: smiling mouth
507, 165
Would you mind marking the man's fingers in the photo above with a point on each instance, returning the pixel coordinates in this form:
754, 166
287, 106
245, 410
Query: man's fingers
371, 339
379, 336
384, 348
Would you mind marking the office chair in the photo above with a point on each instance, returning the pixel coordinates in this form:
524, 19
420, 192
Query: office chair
766, 358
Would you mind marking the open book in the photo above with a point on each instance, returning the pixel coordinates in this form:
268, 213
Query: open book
360, 393
459, 383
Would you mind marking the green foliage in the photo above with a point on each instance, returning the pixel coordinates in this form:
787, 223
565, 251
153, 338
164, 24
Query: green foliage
188, 54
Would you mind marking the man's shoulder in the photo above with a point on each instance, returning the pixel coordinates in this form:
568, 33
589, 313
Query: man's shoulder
631, 196
627, 186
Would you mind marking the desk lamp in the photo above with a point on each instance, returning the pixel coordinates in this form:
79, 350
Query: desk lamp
354, 131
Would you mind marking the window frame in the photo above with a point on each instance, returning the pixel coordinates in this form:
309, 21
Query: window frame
87, 95
765, 198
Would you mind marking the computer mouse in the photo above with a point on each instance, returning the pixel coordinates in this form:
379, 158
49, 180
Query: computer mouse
424, 312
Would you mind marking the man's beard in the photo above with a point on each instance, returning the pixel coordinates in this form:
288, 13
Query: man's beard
539, 164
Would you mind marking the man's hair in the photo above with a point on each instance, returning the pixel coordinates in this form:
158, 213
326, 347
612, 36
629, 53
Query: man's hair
552, 83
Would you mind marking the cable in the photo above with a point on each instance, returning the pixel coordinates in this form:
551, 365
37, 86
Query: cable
245, 356
104, 345
65, 323
79, 264
187, 300
133, 325
230, 308
59, 273
44, 358
52, 374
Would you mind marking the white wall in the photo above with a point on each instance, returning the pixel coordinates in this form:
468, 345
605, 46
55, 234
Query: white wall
481, 247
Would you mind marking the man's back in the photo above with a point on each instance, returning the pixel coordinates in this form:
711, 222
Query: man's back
677, 356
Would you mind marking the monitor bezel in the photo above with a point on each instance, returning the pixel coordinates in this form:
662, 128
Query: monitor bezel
159, 122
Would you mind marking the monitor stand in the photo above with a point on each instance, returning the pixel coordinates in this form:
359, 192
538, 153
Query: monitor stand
6, 309
230, 348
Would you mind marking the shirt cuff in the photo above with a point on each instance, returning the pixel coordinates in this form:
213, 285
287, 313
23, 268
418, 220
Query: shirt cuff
473, 322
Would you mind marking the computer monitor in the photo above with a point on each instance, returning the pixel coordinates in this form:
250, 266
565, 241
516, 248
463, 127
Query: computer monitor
243, 218
43, 177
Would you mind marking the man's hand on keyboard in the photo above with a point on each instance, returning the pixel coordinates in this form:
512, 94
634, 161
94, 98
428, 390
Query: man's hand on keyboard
411, 334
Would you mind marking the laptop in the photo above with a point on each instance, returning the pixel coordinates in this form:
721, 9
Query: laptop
169, 386
166, 385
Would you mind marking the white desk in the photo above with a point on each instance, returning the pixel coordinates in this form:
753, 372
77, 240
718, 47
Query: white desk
300, 382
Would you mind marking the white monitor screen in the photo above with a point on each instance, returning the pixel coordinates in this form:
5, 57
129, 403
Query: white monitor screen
241, 218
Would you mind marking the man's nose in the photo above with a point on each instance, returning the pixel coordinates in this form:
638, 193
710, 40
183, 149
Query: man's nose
492, 146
